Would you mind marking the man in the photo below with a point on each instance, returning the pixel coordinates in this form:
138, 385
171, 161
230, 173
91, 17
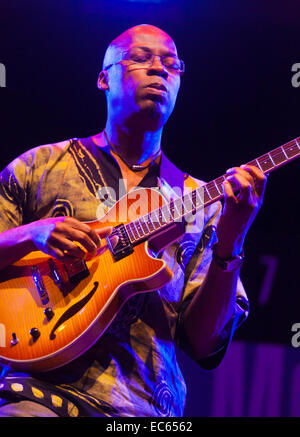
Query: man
49, 192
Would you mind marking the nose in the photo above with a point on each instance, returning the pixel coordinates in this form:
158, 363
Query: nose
157, 67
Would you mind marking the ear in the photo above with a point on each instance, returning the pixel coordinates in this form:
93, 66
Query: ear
102, 82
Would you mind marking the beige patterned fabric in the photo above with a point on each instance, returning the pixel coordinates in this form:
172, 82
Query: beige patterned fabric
133, 367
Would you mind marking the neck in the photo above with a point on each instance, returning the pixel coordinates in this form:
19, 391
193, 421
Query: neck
136, 145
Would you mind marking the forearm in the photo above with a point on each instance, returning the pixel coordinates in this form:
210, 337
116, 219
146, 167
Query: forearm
14, 245
55, 236
214, 302
210, 309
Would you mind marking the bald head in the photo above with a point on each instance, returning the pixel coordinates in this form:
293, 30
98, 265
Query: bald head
140, 93
138, 34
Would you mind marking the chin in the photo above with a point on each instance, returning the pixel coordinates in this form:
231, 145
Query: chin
154, 113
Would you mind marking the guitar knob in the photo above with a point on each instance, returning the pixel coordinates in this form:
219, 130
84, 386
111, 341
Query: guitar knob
14, 339
49, 313
35, 333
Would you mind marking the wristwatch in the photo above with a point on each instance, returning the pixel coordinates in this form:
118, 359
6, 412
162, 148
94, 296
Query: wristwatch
229, 264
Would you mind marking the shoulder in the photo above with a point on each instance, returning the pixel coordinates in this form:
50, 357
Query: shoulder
45, 152
38, 156
32, 164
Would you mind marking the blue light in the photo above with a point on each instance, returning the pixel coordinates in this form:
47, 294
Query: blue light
147, 1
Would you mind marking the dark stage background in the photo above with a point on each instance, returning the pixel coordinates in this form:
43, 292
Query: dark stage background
238, 100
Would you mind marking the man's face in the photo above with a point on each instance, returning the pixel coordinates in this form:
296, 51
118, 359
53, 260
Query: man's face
134, 88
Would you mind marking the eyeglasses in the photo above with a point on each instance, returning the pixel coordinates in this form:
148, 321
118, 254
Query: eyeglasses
145, 58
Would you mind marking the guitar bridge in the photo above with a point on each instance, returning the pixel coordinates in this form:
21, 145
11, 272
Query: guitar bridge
123, 247
77, 271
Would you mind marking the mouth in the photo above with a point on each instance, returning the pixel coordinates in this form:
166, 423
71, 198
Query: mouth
157, 86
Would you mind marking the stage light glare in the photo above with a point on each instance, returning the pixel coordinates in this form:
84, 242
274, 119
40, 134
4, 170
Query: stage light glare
147, 1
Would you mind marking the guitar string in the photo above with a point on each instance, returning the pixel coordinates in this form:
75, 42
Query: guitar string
274, 154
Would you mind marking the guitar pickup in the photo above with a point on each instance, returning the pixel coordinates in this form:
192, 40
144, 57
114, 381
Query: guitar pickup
124, 247
77, 271
55, 274
39, 283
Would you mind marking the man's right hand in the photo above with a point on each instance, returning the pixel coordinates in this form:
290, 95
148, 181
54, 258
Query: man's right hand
59, 237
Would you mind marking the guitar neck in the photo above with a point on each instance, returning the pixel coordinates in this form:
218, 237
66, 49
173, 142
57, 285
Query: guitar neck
155, 221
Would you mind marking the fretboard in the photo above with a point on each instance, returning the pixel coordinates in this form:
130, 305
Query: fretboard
157, 220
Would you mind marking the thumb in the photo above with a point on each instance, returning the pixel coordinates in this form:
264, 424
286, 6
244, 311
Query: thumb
104, 232
114, 241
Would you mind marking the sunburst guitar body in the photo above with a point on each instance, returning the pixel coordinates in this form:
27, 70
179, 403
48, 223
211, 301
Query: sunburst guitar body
51, 313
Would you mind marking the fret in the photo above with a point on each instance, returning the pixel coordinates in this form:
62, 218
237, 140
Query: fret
265, 163
187, 203
291, 149
278, 156
172, 211
192, 201
219, 183
212, 190
269, 155
203, 195
155, 222
207, 197
199, 199
144, 226
136, 230
139, 228
179, 206
167, 214
161, 217
207, 193
149, 223
217, 187
258, 165
284, 152
130, 233
175, 210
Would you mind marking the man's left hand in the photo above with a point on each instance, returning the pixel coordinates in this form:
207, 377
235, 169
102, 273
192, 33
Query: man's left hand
243, 194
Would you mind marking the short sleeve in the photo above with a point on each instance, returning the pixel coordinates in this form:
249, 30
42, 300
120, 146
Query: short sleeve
12, 195
195, 274
20, 184
240, 314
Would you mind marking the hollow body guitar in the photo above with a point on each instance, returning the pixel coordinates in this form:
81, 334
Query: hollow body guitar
51, 312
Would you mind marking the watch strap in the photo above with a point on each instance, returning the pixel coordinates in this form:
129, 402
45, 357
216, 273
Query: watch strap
229, 264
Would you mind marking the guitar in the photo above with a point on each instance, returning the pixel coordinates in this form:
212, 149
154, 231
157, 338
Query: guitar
51, 312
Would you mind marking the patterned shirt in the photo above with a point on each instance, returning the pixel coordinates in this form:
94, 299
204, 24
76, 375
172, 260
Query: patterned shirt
132, 369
